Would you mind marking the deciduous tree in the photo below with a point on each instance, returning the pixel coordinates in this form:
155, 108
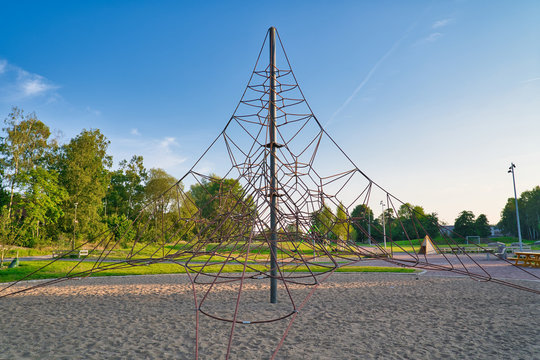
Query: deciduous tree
529, 215
23, 147
225, 206
343, 229
482, 226
83, 171
323, 222
464, 224
126, 192
362, 218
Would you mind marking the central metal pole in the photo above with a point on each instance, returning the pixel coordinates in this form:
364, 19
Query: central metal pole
273, 182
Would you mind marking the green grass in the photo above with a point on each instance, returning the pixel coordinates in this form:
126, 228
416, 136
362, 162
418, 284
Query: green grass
144, 250
258, 251
23, 252
60, 268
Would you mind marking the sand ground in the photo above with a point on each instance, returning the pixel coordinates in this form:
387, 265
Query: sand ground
350, 316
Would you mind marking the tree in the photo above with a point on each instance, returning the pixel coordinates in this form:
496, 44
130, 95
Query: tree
482, 226
24, 146
83, 170
465, 224
413, 222
508, 223
169, 207
406, 225
188, 212
126, 192
121, 229
529, 215
159, 181
388, 221
529, 211
33, 196
323, 222
361, 218
43, 198
343, 228
225, 208
430, 224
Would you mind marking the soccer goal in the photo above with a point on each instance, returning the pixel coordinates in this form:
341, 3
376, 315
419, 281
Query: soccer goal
473, 240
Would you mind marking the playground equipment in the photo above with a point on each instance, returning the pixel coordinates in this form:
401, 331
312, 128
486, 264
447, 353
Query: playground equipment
280, 175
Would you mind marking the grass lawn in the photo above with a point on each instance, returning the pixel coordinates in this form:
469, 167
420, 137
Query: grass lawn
11, 252
60, 268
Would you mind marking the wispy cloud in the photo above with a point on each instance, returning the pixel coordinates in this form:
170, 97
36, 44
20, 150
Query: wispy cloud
441, 23
432, 37
370, 74
135, 132
18, 84
167, 142
93, 111
157, 152
205, 167
530, 80
435, 34
33, 84
165, 154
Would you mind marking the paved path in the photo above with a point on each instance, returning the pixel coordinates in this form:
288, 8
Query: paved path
474, 263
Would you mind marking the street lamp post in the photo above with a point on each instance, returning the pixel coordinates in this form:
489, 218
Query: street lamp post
369, 227
511, 170
383, 223
74, 226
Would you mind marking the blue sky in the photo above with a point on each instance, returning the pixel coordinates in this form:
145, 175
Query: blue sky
432, 99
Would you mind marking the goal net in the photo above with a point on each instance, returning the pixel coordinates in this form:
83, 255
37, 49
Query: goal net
473, 239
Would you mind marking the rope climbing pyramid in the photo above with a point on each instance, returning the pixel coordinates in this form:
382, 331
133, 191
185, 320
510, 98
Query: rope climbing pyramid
267, 221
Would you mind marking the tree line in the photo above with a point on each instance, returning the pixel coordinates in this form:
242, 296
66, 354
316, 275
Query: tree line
467, 225
529, 215
410, 222
61, 195
54, 194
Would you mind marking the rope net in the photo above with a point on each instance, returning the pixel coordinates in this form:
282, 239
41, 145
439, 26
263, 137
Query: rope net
218, 231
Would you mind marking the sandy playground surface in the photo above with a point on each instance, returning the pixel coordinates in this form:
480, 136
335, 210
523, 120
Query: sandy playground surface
350, 316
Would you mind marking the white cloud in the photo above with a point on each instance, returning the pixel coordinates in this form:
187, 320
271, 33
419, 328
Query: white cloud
164, 155
33, 84
167, 141
432, 37
18, 84
205, 167
93, 111
157, 153
135, 132
441, 23
530, 80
